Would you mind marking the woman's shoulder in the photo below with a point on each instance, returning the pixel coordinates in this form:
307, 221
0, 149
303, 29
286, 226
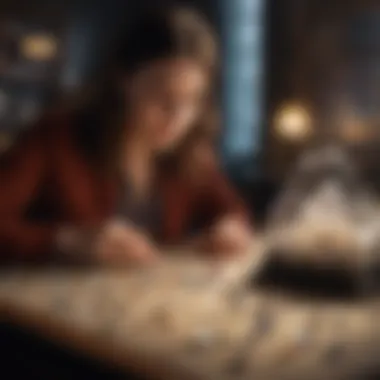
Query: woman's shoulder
46, 132
50, 127
54, 122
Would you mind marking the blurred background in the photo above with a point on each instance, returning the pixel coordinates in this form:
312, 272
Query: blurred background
292, 70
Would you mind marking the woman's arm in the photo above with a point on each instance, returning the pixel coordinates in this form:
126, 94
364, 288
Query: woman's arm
219, 200
215, 204
215, 197
229, 230
22, 172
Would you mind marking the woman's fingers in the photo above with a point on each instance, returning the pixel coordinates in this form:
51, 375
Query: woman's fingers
142, 250
229, 236
119, 244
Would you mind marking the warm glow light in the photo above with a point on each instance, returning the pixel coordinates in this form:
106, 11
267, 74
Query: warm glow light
356, 131
39, 47
293, 123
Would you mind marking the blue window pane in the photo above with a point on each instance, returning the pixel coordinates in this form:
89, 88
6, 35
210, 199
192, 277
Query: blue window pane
243, 33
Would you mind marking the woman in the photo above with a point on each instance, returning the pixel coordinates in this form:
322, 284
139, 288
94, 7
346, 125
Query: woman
134, 166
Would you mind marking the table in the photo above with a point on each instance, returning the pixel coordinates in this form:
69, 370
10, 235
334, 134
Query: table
187, 319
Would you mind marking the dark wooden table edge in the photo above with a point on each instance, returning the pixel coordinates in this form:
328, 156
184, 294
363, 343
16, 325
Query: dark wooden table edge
111, 354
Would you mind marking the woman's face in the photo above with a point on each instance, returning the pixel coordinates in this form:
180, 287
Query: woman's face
166, 99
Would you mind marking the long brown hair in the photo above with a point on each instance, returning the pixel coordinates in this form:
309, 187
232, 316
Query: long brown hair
165, 33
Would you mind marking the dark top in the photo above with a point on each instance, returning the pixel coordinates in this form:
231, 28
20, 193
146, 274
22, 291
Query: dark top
83, 197
145, 213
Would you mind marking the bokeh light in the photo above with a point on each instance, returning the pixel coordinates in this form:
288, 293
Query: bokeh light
39, 47
293, 123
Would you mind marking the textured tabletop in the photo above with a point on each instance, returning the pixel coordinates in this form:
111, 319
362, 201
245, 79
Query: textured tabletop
190, 319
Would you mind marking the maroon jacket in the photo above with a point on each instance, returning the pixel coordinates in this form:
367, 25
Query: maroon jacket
48, 159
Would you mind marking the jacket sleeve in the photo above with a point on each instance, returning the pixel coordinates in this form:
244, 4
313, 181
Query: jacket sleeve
22, 172
211, 194
218, 199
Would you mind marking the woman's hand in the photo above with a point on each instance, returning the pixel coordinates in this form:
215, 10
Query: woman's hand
121, 243
227, 237
116, 243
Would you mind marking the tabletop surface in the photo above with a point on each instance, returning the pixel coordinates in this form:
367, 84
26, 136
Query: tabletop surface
189, 319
